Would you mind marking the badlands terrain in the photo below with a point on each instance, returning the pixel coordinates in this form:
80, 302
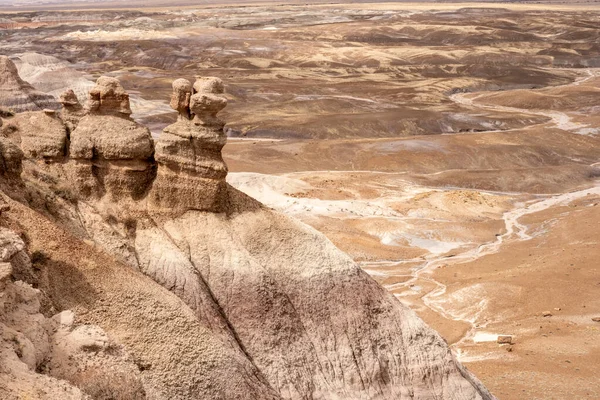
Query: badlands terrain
452, 151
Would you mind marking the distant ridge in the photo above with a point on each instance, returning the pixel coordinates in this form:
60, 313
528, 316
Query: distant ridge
45, 5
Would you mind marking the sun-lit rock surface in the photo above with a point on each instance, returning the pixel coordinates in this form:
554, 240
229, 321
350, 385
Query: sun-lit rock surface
111, 153
72, 110
188, 152
278, 306
51, 75
450, 150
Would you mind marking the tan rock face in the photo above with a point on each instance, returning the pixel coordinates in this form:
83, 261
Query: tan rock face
24, 339
191, 172
74, 357
18, 95
111, 153
253, 304
126, 335
180, 99
41, 134
108, 97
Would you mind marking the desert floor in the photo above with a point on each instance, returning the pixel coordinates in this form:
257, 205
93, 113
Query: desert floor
451, 150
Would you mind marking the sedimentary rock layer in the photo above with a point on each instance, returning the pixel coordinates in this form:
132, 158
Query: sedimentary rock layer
18, 95
41, 134
188, 152
111, 153
243, 303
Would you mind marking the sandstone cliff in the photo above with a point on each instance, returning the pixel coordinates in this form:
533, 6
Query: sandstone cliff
209, 293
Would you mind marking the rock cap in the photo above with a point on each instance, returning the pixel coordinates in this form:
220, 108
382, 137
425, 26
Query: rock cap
69, 98
108, 98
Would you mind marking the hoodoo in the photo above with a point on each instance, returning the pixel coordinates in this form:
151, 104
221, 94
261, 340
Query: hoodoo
112, 153
72, 110
189, 151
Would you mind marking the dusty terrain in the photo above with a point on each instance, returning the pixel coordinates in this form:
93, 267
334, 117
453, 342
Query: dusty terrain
451, 150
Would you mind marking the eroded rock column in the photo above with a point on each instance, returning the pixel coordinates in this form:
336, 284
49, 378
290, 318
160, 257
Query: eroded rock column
191, 171
111, 153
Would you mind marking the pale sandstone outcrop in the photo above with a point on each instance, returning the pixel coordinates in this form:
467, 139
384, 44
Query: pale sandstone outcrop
18, 95
111, 153
41, 134
188, 152
312, 321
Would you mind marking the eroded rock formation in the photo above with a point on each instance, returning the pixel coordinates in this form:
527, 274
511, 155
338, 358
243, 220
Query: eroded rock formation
313, 322
18, 95
120, 336
51, 75
25, 340
188, 152
111, 153
226, 298
41, 134
11, 157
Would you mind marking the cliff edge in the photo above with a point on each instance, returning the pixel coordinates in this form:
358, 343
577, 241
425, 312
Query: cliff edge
204, 292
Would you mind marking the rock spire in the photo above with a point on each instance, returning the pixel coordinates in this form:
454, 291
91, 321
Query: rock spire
191, 171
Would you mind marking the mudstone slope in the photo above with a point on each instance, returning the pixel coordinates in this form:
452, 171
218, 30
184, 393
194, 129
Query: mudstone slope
17, 94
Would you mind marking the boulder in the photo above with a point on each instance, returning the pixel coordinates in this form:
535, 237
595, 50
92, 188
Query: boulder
505, 339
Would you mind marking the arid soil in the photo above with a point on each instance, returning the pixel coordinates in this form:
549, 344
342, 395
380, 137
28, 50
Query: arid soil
452, 150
